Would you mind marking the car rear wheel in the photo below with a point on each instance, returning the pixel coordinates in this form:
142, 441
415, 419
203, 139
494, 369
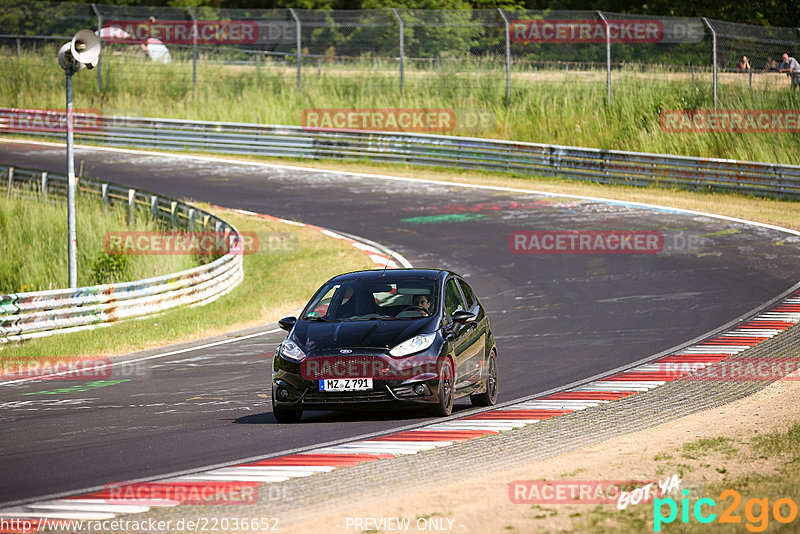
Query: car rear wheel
488, 397
286, 415
445, 405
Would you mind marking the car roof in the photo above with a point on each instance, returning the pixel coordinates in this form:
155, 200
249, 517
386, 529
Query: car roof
389, 275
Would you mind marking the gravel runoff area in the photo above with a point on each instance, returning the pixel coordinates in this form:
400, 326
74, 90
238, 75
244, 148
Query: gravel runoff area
323, 502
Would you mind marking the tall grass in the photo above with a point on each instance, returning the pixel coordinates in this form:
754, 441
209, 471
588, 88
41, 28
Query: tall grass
34, 251
546, 106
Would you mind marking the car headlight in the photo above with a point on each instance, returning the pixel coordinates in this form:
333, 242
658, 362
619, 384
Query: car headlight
414, 344
291, 351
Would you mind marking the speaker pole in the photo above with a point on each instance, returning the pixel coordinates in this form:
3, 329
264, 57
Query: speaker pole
83, 51
72, 246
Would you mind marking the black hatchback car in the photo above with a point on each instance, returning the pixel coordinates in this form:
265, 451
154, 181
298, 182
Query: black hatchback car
393, 337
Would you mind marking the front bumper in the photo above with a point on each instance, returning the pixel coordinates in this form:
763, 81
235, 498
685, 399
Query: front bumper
413, 380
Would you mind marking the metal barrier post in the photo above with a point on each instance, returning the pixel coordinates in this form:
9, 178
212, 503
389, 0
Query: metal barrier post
299, 44
608, 56
44, 186
10, 180
100, 57
402, 47
154, 207
19, 47
508, 56
194, 47
714, 53
131, 206
191, 219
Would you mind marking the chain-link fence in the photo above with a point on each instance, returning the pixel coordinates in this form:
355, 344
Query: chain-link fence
491, 48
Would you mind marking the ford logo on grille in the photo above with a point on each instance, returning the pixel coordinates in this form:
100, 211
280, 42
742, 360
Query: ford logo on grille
345, 351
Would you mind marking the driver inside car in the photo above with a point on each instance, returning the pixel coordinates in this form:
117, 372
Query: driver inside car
423, 302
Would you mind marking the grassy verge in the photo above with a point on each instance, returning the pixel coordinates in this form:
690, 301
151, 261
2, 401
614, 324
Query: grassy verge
291, 263
761, 469
34, 247
546, 107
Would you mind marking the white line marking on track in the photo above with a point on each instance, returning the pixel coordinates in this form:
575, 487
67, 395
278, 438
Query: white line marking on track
151, 357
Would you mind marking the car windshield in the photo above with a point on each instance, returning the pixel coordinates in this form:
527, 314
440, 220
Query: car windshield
364, 300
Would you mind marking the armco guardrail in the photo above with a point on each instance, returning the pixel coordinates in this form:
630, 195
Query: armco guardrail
43, 313
604, 166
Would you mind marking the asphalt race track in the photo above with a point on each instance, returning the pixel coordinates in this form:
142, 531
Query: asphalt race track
558, 318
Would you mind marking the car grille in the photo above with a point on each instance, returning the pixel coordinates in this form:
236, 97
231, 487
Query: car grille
343, 397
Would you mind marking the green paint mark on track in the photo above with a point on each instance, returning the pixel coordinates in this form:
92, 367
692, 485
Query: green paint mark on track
80, 387
449, 218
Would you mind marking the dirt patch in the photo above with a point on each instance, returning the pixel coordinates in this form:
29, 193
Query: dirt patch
704, 448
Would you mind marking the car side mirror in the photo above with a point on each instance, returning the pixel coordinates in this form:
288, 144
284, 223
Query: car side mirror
464, 317
287, 323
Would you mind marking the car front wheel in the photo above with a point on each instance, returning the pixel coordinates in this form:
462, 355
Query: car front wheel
445, 405
286, 415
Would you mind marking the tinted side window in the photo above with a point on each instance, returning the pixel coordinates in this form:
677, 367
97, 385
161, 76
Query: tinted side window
452, 299
469, 295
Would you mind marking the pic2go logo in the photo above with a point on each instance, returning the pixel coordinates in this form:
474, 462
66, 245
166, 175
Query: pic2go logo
756, 511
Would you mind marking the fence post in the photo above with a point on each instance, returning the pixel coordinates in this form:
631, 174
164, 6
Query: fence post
194, 47
10, 180
100, 57
154, 207
131, 206
714, 53
104, 195
44, 186
299, 43
508, 56
173, 214
19, 47
608, 56
191, 219
402, 45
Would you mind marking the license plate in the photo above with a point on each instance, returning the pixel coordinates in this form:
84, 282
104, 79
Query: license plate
345, 384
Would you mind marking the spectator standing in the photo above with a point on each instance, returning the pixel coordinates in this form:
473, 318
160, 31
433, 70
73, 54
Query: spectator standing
792, 69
